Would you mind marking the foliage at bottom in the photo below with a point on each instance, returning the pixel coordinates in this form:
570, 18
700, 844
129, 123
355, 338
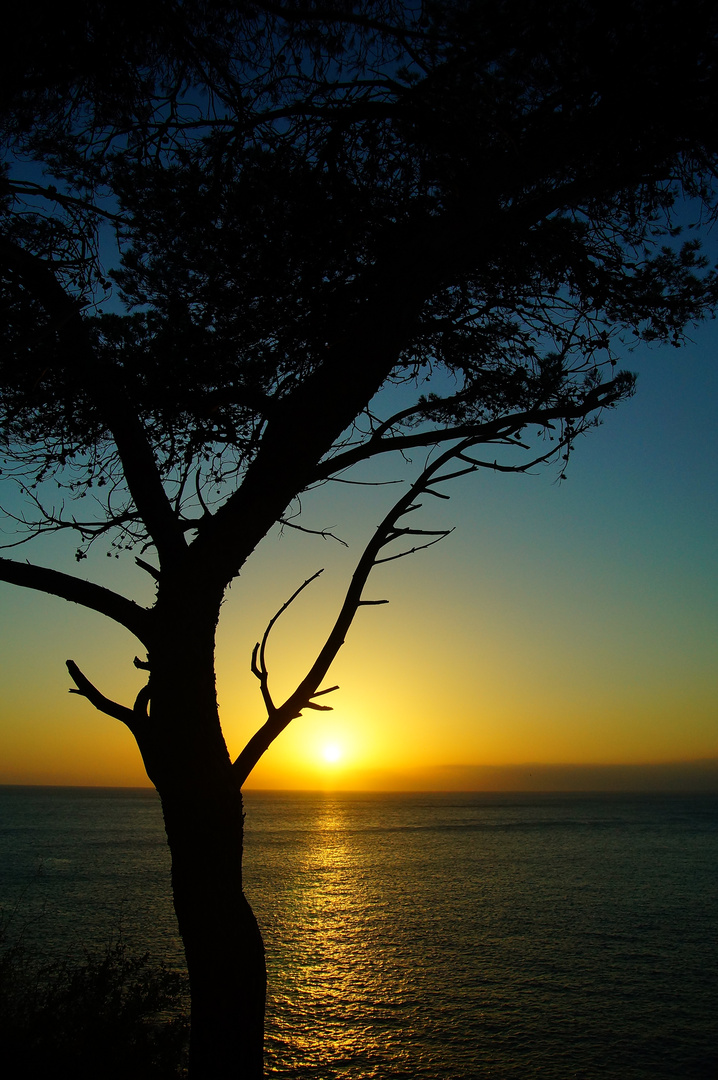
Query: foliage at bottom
111, 1015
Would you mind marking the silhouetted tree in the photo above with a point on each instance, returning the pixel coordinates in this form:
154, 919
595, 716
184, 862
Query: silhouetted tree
228, 229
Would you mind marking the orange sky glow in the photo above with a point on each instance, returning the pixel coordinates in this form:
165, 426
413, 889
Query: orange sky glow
568, 625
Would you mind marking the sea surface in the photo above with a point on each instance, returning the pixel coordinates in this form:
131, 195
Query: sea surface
418, 937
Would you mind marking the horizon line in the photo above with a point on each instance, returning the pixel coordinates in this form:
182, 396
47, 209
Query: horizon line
697, 775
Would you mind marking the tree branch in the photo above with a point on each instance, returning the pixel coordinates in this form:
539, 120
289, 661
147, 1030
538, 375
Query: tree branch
138, 460
51, 192
326, 534
280, 717
412, 551
602, 397
132, 717
259, 663
148, 568
127, 613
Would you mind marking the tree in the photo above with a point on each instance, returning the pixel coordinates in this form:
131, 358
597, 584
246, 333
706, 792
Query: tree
339, 234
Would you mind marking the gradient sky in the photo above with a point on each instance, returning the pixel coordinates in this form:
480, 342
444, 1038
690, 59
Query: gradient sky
570, 624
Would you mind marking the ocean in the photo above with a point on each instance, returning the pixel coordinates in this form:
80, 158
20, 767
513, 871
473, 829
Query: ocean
422, 936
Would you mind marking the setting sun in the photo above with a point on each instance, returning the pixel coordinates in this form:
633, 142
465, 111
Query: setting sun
332, 753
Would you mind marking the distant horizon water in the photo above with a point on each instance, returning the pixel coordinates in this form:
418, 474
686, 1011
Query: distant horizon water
697, 775
418, 936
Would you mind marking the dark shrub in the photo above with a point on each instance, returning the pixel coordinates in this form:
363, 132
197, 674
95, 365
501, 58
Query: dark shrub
109, 1015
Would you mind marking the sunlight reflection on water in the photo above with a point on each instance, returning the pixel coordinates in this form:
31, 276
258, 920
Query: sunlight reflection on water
422, 937
331, 960
456, 941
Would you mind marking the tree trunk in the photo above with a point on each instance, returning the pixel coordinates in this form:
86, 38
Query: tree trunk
187, 760
223, 944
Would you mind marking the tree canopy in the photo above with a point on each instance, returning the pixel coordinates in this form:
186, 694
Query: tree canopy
237, 224
247, 246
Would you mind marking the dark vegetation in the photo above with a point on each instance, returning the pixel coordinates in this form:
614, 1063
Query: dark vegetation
106, 1015
245, 248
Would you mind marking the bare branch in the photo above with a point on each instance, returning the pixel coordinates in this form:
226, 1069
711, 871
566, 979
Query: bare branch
325, 534
198, 489
362, 483
148, 568
500, 430
302, 698
103, 704
263, 675
416, 532
397, 418
307, 690
475, 433
412, 551
126, 612
258, 663
453, 476
494, 466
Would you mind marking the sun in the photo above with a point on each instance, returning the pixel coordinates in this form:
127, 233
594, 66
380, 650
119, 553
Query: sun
332, 753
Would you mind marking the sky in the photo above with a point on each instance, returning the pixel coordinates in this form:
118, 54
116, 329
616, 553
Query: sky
563, 637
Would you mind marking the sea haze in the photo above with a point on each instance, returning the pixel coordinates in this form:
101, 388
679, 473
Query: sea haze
456, 936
